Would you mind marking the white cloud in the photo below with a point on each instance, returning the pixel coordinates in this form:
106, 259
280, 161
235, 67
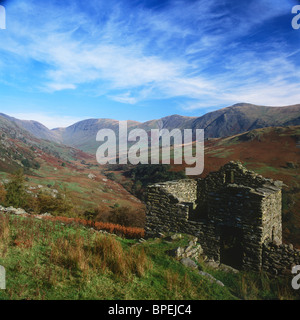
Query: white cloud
48, 120
146, 54
124, 98
59, 86
280, 94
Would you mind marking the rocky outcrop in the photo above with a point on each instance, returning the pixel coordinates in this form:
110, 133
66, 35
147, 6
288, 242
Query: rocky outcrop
12, 210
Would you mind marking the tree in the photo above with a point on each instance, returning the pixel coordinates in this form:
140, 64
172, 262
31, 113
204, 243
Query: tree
16, 195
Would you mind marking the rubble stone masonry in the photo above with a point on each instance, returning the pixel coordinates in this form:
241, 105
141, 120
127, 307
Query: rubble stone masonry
233, 205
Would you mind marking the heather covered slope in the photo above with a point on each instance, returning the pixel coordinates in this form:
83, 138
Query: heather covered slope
18, 144
51, 167
245, 117
35, 128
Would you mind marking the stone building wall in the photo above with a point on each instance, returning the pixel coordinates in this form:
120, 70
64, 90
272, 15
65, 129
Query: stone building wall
185, 189
279, 259
233, 199
165, 211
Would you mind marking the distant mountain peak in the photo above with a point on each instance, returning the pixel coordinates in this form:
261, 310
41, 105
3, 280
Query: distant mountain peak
235, 119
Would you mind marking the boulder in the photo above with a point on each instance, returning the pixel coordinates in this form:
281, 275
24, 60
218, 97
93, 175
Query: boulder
176, 236
20, 211
189, 263
211, 278
46, 214
177, 253
91, 176
228, 269
212, 264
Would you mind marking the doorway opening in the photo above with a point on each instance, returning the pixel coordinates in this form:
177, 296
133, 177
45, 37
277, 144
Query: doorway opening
231, 247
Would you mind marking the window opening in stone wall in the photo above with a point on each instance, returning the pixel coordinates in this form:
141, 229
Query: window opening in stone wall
273, 233
229, 177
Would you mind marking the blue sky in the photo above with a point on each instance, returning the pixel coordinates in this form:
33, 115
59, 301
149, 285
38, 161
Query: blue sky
64, 61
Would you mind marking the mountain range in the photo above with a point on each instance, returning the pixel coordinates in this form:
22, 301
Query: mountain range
265, 139
225, 122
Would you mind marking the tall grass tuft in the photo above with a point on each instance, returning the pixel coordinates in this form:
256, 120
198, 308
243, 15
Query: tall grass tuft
69, 252
4, 235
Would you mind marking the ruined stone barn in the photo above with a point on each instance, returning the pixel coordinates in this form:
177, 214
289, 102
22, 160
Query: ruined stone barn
234, 212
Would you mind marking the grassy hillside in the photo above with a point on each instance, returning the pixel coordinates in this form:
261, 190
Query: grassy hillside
35, 128
19, 148
50, 167
48, 260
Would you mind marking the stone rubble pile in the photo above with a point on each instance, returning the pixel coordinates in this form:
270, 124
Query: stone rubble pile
193, 250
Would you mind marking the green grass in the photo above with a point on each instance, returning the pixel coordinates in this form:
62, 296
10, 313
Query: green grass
3, 175
47, 260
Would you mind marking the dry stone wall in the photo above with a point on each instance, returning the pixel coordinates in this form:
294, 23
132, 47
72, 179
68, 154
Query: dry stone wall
279, 259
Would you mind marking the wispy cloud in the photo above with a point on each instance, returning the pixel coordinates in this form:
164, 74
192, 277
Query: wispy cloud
193, 49
49, 120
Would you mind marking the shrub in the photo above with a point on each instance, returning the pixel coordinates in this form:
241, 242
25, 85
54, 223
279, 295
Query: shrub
99, 214
16, 195
111, 176
2, 194
61, 204
26, 163
127, 217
